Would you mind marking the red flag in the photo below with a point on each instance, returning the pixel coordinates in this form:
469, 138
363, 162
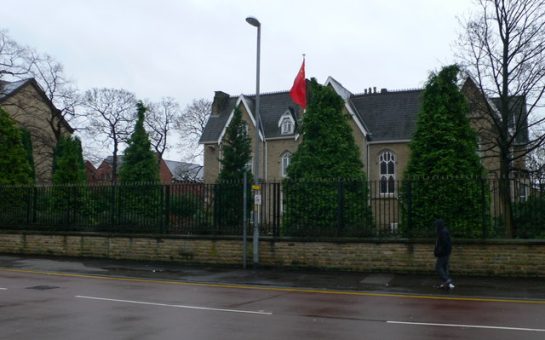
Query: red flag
298, 91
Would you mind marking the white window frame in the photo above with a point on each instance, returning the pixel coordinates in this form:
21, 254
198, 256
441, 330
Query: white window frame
250, 165
246, 128
287, 126
285, 161
387, 156
286, 123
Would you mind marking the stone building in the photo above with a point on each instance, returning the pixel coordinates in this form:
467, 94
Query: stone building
26, 102
382, 122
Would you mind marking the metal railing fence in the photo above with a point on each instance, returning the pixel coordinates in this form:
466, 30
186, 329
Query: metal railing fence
473, 208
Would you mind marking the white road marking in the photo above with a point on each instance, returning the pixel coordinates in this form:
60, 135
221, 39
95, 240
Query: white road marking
3, 289
175, 306
467, 326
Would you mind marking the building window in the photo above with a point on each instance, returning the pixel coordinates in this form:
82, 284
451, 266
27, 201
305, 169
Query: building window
523, 192
250, 166
286, 157
244, 129
480, 148
387, 163
287, 126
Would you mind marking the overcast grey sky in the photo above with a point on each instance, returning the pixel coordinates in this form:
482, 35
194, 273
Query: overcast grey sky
187, 49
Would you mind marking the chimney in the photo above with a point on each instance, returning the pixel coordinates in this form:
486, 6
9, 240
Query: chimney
374, 89
220, 100
365, 91
370, 90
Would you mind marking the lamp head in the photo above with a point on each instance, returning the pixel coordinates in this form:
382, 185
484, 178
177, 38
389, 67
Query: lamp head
253, 21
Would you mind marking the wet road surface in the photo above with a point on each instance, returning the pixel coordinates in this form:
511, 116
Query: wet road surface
54, 305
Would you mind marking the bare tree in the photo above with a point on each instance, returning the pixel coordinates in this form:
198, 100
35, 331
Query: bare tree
187, 172
110, 114
160, 120
49, 73
503, 47
536, 164
535, 161
24, 62
191, 124
14, 58
21, 63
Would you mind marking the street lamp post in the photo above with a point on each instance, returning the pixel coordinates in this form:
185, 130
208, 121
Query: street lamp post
257, 200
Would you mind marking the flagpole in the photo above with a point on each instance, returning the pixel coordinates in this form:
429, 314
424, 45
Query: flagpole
304, 60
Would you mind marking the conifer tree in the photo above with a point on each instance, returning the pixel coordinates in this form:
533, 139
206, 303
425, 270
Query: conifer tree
27, 143
139, 161
236, 151
68, 166
69, 179
140, 194
14, 165
443, 178
326, 188
14, 170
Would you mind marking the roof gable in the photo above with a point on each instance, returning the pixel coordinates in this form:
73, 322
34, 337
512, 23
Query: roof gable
272, 107
10, 89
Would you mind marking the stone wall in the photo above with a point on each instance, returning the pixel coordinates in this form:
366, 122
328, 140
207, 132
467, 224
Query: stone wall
500, 258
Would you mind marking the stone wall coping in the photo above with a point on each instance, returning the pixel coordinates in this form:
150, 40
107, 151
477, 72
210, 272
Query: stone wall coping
456, 242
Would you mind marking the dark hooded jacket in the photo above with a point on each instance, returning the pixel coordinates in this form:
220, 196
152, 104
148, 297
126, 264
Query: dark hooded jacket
443, 245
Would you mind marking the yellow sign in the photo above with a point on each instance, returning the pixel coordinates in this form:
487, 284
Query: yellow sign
256, 187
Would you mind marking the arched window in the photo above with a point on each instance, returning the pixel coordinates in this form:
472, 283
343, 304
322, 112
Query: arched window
387, 164
286, 157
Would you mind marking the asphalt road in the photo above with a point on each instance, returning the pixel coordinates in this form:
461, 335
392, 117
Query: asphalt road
41, 305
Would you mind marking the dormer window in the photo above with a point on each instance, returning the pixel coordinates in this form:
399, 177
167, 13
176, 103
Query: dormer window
286, 124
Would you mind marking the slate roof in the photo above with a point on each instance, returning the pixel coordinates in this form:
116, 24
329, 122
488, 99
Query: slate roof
182, 171
216, 123
272, 106
388, 115
8, 89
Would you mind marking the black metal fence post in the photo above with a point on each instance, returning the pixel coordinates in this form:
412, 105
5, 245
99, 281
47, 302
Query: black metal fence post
409, 208
484, 212
29, 205
166, 223
112, 204
244, 219
34, 204
340, 207
277, 210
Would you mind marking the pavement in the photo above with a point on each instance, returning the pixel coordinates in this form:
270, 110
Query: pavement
486, 287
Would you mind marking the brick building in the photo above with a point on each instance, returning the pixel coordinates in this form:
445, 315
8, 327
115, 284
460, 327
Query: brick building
169, 171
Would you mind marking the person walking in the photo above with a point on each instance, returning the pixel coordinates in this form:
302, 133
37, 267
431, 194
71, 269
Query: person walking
443, 248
